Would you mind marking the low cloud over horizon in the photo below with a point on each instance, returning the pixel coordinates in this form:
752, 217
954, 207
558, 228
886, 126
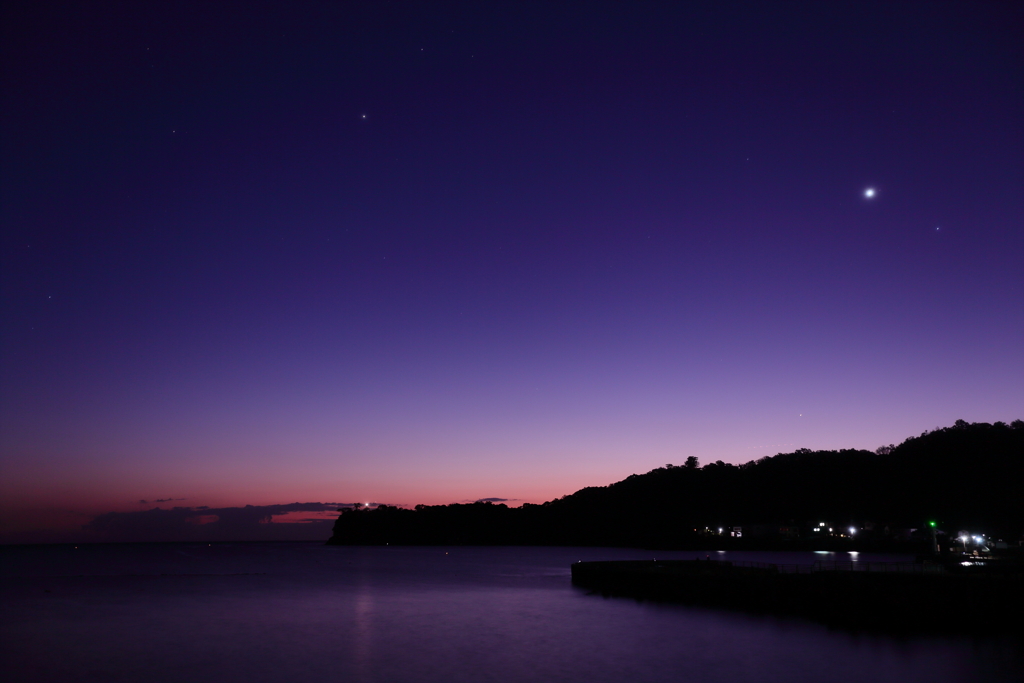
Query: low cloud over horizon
288, 522
201, 523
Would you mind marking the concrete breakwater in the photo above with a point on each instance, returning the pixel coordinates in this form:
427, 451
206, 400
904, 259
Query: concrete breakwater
891, 598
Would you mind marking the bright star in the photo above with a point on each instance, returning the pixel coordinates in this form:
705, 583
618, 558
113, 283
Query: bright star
869, 193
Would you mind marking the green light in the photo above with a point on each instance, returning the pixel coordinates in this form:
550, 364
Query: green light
931, 523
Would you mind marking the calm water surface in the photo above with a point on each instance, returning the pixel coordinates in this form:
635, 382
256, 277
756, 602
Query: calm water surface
305, 612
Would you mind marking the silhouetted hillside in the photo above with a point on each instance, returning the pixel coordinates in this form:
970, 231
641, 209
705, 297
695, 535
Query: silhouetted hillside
963, 477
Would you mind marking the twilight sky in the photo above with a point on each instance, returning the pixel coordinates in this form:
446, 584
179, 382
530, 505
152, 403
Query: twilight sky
259, 253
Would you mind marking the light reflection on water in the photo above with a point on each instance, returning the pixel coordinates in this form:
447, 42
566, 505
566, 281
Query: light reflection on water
281, 612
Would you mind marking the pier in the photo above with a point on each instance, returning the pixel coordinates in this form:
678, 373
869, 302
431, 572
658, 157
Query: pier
890, 597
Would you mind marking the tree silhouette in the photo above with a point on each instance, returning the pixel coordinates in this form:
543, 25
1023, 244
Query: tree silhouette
896, 487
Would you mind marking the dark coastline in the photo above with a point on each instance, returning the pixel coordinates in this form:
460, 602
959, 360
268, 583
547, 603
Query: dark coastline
909, 498
931, 496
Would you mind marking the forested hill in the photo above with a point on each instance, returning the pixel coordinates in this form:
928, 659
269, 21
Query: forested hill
966, 476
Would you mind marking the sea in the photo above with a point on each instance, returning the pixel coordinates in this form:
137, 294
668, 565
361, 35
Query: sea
306, 612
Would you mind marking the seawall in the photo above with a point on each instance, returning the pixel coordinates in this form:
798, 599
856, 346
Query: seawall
892, 599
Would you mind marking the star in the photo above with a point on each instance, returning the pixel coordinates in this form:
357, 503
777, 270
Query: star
869, 193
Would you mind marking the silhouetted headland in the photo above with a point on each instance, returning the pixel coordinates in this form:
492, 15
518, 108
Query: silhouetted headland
954, 489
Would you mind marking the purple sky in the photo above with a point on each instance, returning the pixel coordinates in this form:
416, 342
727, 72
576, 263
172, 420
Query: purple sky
260, 253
